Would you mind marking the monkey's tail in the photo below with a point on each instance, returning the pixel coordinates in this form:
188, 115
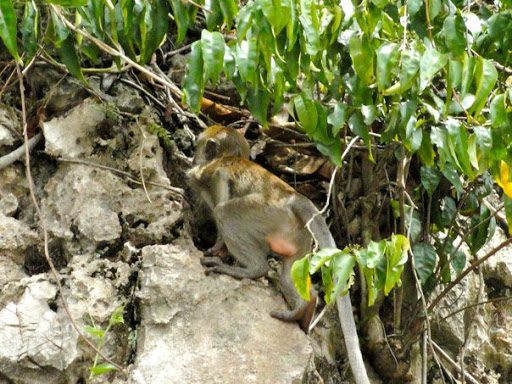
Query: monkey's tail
305, 210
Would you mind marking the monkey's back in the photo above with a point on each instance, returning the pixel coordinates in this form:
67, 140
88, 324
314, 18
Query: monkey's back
246, 177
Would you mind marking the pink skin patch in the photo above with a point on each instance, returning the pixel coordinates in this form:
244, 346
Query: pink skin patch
280, 245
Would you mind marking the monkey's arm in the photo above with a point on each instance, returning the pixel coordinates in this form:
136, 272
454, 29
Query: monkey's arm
240, 223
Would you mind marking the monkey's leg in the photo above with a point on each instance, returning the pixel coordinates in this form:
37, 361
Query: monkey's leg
303, 310
240, 223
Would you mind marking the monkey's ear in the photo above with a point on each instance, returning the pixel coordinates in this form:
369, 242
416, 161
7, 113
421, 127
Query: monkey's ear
210, 150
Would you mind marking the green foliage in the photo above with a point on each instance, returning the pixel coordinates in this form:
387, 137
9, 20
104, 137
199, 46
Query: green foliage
116, 318
8, 27
381, 262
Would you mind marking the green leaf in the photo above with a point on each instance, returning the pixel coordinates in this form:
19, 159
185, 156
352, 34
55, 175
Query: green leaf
247, 60
431, 63
486, 76
426, 150
380, 3
117, 316
258, 101
499, 117
458, 140
94, 331
68, 3
193, 82
213, 47
102, 368
468, 71
214, 18
413, 6
410, 67
293, 25
229, 9
181, 18
396, 259
229, 62
321, 257
357, 125
453, 177
342, 270
361, 54
430, 177
277, 12
387, 59
244, 21
338, 117
327, 282
306, 112
413, 135
65, 44
458, 262
507, 202
155, 24
454, 31
311, 25
484, 139
301, 278
30, 28
481, 224
375, 253
61, 32
434, 8
425, 257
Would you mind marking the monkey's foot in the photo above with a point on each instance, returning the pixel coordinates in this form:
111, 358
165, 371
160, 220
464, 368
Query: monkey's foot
213, 263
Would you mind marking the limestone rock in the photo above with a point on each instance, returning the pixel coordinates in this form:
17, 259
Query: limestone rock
211, 329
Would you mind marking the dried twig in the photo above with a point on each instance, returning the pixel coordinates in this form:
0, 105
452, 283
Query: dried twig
19, 152
445, 356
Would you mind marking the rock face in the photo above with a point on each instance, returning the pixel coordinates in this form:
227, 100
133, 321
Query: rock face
105, 235
198, 329
73, 135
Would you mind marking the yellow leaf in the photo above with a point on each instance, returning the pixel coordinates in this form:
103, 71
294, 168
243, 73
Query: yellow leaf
503, 179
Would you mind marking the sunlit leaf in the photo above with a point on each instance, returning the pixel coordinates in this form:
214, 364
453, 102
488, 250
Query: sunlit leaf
387, 59
499, 116
454, 30
361, 54
229, 9
212, 44
301, 278
102, 368
409, 70
486, 76
193, 82
342, 270
247, 59
431, 63
503, 179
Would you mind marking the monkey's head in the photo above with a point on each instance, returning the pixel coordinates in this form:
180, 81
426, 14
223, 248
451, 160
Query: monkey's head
217, 141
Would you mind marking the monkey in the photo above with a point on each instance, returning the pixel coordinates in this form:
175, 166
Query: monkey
257, 213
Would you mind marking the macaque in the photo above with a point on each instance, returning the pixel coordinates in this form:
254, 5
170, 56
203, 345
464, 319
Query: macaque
257, 213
